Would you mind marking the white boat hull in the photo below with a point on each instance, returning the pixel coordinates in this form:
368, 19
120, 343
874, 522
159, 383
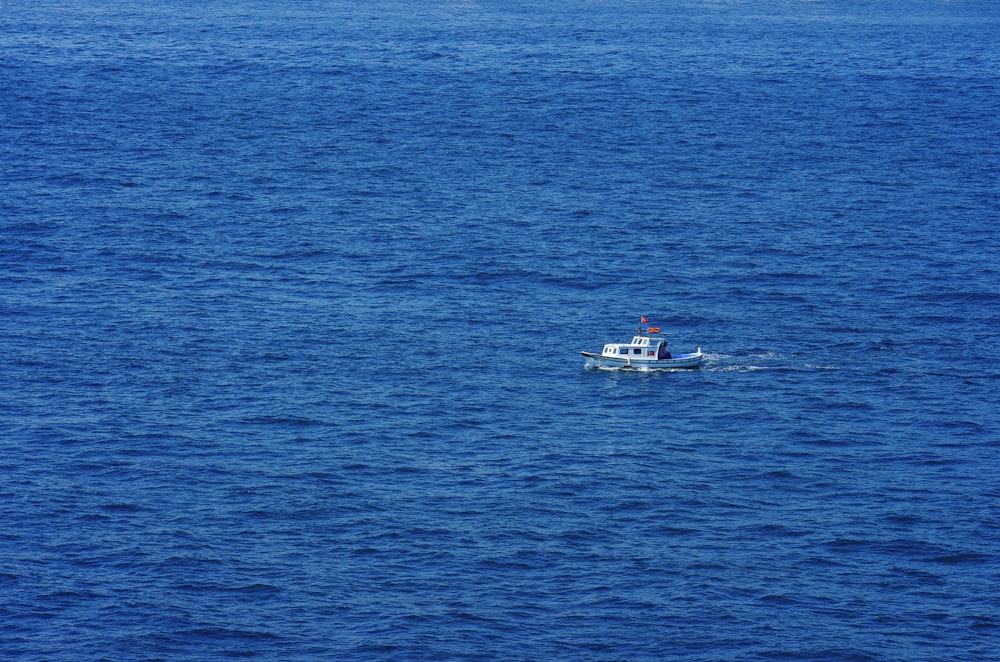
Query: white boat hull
639, 363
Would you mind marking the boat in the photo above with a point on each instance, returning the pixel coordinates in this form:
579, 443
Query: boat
647, 351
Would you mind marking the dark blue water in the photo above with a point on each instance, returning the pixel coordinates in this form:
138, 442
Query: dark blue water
292, 297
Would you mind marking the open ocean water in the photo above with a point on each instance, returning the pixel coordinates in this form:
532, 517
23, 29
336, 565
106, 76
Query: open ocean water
292, 296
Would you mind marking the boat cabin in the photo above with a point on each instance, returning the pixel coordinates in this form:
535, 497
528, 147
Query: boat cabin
641, 348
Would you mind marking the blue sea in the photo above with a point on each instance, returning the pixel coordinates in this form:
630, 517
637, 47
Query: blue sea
293, 294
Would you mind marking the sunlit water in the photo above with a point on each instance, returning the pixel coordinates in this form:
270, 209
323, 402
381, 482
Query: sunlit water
292, 297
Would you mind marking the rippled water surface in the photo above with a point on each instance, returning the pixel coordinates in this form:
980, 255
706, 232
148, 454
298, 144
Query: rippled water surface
292, 297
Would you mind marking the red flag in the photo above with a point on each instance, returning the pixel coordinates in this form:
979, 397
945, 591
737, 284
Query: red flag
644, 320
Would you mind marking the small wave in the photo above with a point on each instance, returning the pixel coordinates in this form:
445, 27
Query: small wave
229, 633
121, 508
255, 589
963, 557
775, 599
739, 368
282, 420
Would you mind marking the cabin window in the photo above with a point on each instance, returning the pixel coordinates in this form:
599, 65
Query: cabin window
637, 351
623, 350
650, 353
